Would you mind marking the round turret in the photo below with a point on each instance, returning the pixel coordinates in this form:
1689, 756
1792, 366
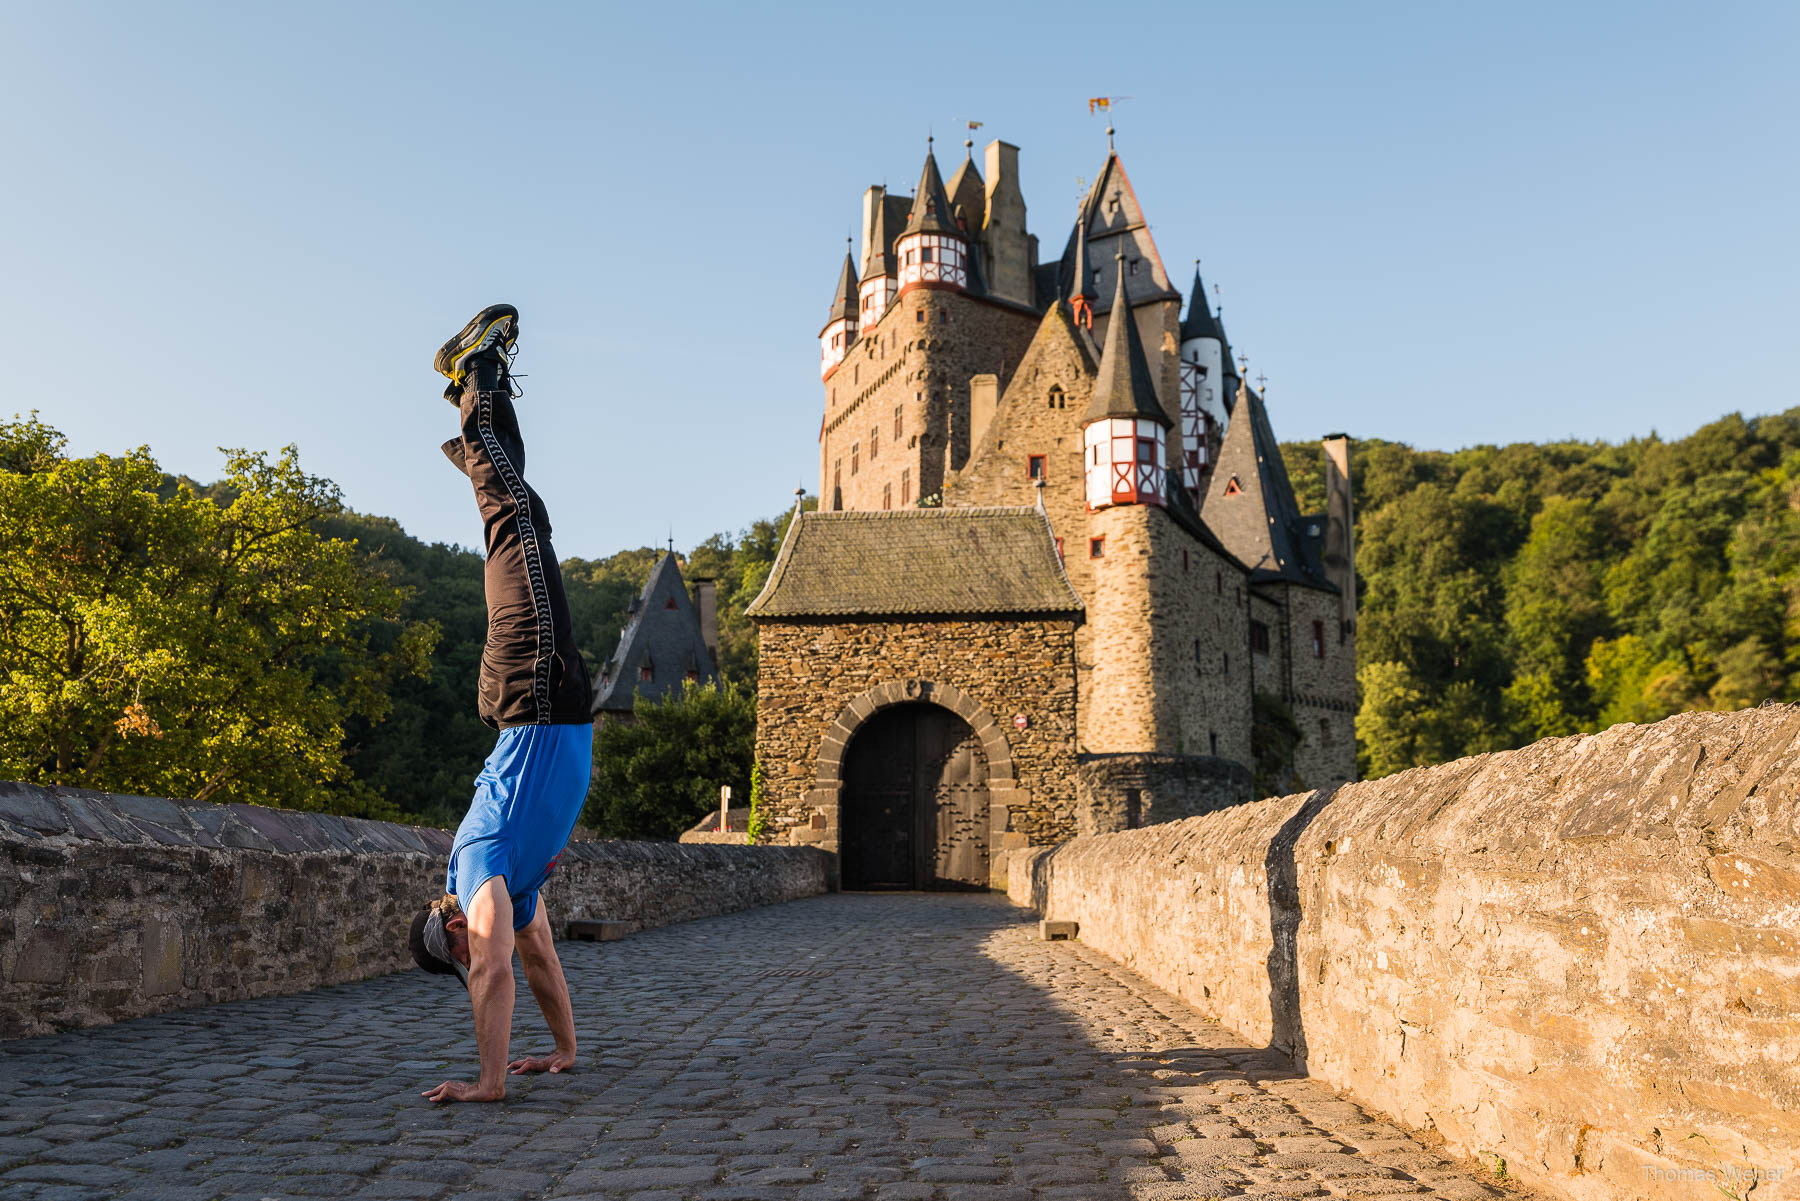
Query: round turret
841, 326
932, 250
1202, 389
1123, 434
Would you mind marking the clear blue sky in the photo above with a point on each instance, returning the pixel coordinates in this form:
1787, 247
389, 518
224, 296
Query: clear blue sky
252, 224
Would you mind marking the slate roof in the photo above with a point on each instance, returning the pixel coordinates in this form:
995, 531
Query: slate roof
890, 217
664, 635
1199, 322
917, 562
1106, 232
843, 302
931, 212
1081, 279
966, 189
1124, 386
1260, 521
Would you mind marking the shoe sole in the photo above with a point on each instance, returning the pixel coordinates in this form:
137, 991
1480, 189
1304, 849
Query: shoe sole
494, 325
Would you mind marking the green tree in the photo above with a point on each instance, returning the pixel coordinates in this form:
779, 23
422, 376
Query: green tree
158, 641
659, 773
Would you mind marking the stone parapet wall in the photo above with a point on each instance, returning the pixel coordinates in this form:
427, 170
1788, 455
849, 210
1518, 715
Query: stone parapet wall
1581, 959
116, 906
1168, 788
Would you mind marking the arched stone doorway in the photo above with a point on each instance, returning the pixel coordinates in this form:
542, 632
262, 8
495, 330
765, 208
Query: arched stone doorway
914, 807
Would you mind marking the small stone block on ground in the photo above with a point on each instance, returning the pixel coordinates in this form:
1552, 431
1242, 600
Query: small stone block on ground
1058, 931
597, 929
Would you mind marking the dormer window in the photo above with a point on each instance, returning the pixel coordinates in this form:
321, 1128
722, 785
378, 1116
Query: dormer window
646, 672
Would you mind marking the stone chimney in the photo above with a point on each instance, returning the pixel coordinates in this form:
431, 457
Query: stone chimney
1007, 248
706, 600
1340, 526
984, 398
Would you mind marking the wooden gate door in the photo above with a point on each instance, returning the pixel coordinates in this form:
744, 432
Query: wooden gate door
913, 813
953, 801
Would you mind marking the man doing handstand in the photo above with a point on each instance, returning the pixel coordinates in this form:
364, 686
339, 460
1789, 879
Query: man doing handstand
534, 689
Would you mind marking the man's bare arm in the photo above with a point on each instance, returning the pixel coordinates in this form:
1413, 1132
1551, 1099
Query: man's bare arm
490, 992
543, 971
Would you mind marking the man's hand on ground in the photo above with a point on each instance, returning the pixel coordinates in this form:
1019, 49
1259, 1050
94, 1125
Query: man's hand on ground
556, 1061
456, 1090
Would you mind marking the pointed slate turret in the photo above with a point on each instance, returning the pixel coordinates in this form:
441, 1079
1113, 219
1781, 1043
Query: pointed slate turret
1199, 322
1250, 502
1232, 379
881, 243
1082, 294
660, 649
931, 212
1124, 386
843, 301
967, 192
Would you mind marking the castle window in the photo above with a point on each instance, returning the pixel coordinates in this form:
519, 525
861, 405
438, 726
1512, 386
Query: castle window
693, 676
1134, 808
906, 486
1097, 547
1218, 583
899, 411
1197, 658
1213, 736
1034, 468
1184, 558
925, 255
918, 314
943, 316
912, 257
1057, 398
1318, 640
1227, 655
1240, 596
646, 672
855, 457
1259, 637
887, 496
669, 604
1324, 732
1134, 265
874, 442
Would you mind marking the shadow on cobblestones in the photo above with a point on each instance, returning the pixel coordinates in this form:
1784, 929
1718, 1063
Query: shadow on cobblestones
881, 1047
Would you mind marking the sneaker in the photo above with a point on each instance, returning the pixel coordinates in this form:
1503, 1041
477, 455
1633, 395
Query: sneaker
495, 327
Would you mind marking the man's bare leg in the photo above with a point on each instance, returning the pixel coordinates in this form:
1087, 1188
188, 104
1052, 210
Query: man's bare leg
543, 971
489, 948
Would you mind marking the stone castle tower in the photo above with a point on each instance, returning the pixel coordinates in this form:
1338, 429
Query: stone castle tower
967, 385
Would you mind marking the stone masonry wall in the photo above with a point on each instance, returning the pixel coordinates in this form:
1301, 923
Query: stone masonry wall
1581, 959
1323, 694
813, 671
917, 359
1168, 788
116, 906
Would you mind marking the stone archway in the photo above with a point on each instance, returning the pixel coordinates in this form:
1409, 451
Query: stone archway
986, 740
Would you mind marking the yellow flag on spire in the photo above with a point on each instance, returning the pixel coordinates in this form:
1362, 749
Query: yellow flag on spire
1098, 102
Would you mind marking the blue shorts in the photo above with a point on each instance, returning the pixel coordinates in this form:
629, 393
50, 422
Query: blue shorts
527, 799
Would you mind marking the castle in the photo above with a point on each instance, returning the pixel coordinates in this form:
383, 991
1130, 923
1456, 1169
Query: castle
1058, 558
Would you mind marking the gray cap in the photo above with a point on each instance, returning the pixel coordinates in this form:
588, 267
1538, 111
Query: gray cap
437, 942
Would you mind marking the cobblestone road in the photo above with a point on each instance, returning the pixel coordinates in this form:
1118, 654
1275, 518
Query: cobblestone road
880, 1047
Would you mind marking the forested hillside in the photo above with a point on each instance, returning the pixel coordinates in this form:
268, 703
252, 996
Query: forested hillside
1517, 592
231, 641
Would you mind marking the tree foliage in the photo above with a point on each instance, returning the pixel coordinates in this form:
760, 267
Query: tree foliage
659, 773
1526, 591
157, 640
